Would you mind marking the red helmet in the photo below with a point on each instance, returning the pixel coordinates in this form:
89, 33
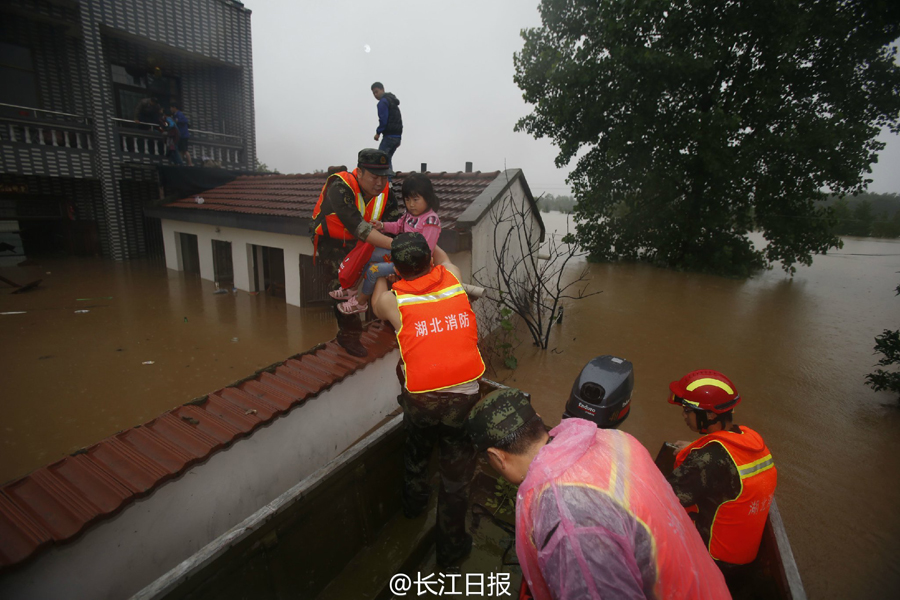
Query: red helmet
705, 390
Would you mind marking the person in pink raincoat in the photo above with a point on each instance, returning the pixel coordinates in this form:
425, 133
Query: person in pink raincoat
595, 518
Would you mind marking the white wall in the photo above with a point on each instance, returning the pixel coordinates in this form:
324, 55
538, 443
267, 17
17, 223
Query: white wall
118, 557
483, 234
242, 241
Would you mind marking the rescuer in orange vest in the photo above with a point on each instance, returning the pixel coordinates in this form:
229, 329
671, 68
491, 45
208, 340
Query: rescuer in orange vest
726, 479
347, 205
595, 518
439, 371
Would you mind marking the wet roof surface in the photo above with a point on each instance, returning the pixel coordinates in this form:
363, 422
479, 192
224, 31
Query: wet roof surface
54, 504
296, 195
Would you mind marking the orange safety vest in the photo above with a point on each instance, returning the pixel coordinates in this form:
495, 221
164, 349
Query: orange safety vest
617, 467
438, 335
738, 524
331, 226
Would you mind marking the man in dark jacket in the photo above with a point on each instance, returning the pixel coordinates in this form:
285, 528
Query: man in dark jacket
390, 122
184, 132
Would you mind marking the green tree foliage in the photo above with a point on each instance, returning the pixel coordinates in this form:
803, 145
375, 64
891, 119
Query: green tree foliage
262, 167
695, 122
876, 215
888, 345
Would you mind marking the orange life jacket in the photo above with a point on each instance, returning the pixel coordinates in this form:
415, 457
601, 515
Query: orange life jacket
331, 226
438, 335
617, 468
738, 524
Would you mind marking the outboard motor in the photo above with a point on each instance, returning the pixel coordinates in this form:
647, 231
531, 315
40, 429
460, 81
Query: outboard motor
602, 392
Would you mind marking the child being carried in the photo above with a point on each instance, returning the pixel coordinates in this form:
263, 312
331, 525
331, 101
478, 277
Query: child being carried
421, 204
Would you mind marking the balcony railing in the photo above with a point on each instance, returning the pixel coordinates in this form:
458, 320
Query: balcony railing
145, 139
39, 127
44, 127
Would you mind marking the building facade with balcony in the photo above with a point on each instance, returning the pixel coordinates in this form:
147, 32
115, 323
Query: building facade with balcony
76, 171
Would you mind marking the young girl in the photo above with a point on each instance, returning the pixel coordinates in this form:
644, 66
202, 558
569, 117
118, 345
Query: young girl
421, 204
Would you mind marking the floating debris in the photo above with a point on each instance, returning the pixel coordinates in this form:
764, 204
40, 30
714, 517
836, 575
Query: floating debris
234, 340
21, 287
14, 312
82, 311
148, 362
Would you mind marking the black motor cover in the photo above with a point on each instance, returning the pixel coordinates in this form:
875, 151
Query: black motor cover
602, 392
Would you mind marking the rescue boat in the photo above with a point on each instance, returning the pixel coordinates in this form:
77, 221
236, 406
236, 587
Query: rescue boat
340, 533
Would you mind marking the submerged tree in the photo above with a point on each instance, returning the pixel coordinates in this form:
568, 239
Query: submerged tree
888, 345
696, 122
527, 279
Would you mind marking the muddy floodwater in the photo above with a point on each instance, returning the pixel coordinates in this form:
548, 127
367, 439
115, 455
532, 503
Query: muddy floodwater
72, 378
798, 350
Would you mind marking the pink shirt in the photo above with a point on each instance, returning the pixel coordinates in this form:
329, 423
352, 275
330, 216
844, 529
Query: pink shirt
428, 224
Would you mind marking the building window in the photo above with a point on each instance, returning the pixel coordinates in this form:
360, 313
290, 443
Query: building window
18, 82
131, 85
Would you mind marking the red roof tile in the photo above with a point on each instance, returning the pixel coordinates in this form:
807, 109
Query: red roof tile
56, 503
295, 195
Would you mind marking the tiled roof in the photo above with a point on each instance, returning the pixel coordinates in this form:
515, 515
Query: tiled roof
296, 195
56, 503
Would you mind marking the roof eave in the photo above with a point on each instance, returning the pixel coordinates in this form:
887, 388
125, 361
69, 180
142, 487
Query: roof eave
236, 220
492, 194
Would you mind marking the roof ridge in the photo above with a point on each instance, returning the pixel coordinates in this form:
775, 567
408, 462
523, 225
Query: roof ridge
88, 488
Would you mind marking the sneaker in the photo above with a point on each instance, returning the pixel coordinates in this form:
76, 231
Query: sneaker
352, 306
342, 294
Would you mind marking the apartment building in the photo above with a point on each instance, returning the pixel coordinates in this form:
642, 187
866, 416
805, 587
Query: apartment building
76, 171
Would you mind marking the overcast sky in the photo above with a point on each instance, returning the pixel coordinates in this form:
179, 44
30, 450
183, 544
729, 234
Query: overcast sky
449, 63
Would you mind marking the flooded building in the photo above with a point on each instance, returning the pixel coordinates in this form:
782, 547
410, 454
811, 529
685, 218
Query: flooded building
76, 170
253, 233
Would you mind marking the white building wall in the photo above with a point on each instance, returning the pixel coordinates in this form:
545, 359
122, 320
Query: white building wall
242, 244
483, 264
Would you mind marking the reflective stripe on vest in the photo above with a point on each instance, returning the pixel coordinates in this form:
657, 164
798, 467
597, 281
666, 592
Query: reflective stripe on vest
738, 524
331, 226
616, 466
438, 334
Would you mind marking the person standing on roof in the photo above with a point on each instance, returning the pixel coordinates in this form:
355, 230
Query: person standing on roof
439, 369
595, 518
347, 206
726, 479
390, 122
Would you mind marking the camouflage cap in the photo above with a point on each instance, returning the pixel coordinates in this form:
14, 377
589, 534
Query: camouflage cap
374, 160
497, 415
410, 252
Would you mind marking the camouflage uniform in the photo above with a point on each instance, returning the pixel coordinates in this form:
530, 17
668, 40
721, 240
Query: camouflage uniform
439, 417
340, 200
436, 418
707, 478
501, 414
331, 253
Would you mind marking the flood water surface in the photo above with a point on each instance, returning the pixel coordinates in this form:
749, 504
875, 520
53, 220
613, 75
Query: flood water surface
798, 349
72, 378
